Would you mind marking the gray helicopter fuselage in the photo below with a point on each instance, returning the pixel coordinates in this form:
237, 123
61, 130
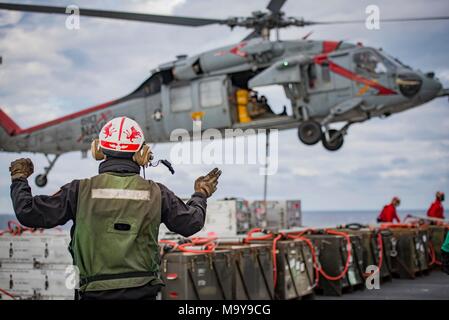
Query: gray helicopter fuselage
324, 80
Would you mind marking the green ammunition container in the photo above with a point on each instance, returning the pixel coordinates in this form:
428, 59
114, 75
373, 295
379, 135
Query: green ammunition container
332, 253
253, 271
295, 270
409, 252
370, 246
198, 276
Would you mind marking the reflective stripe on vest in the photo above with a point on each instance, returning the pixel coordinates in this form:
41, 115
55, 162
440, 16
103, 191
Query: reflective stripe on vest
120, 194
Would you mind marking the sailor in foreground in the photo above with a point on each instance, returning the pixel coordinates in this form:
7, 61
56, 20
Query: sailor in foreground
116, 215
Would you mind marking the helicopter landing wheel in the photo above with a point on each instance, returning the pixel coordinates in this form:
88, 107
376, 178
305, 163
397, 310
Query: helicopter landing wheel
41, 180
309, 132
336, 141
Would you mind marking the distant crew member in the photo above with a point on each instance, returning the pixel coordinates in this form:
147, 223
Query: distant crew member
436, 209
388, 213
116, 214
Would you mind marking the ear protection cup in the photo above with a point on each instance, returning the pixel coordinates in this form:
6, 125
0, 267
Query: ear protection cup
96, 151
144, 156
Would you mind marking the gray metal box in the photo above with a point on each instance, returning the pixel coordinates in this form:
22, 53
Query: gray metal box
253, 271
409, 252
296, 276
197, 276
332, 252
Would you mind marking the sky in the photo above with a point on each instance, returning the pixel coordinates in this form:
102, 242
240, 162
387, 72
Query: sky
49, 71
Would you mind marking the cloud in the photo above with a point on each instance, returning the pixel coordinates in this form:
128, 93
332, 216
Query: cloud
49, 71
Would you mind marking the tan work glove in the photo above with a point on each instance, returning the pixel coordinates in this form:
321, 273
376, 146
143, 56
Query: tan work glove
21, 168
208, 184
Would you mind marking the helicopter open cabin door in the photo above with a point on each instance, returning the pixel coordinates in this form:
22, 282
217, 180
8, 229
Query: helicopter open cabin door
204, 99
213, 102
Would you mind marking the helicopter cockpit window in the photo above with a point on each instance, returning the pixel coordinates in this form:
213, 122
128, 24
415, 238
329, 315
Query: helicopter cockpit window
153, 85
210, 93
369, 62
181, 98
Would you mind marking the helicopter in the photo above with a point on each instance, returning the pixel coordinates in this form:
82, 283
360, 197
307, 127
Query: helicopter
327, 82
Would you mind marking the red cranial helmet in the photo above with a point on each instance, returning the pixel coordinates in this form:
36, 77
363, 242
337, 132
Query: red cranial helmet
121, 134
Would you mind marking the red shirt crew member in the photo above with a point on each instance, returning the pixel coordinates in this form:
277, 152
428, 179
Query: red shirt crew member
388, 213
436, 209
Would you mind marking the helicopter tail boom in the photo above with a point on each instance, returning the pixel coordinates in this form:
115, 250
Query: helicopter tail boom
8, 124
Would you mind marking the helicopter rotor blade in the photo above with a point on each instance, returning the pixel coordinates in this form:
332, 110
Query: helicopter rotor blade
174, 20
275, 5
309, 23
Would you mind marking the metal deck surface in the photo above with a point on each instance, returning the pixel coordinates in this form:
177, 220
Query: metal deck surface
434, 286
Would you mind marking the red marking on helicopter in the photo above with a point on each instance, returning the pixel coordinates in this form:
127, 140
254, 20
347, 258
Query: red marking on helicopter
235, 50
109, 130
329, 46
320, 59
8, 124
132, 134
13, 129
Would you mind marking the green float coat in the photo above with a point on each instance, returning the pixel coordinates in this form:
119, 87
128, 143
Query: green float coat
117, 226
445, 246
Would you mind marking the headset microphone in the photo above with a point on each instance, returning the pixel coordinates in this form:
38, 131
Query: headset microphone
165, 163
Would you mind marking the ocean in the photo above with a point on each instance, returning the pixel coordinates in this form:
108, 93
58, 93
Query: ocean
310, 218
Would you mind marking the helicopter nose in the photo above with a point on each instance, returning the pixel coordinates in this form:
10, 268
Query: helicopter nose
430, 87
415, 84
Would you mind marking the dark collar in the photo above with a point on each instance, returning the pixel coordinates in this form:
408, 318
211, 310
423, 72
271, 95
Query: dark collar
119, 166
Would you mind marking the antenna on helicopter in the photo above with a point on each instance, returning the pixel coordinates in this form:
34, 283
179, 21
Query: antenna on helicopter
307, 35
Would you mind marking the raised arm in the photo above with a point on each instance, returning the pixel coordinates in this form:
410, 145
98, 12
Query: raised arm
40, 211
188, 218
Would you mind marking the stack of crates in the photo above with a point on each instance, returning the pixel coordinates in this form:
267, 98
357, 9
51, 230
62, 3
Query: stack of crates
276, 215
226, 218
36, 265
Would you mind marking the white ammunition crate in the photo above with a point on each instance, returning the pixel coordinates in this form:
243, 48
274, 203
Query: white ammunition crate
21, 281
283, 214
36, 297
221, 218
48, 247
